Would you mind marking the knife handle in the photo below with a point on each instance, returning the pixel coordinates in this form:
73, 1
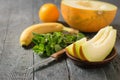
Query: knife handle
58, 54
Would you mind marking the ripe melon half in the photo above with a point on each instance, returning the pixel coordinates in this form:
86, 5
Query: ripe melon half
88, 15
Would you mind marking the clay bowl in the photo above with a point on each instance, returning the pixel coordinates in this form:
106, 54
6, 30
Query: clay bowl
87, 64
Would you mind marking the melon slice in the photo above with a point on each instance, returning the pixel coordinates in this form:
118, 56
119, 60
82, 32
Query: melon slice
104, 36
78, 47
70, 49
74, 49
88, 15
94, 53
98, 35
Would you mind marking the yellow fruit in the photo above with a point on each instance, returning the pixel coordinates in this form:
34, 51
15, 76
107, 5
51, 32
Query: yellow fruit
104, 35
88, 15
49, 12
75, 49
26, 36
99, 52
78, 48
96, 49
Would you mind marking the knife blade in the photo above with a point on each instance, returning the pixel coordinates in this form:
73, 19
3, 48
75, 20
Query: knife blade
52, 58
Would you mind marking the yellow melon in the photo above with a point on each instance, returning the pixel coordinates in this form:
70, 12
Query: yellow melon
88, 15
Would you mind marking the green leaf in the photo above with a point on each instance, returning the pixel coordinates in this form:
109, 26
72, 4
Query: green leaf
57, 47
39, 49
49, 43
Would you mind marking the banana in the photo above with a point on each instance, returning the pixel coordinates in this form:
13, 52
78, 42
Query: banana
26, 36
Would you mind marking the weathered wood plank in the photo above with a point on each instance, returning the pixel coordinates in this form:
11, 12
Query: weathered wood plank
15, 15
14, 59
4, 18
57, 70
4, 11
78, 73
54, 71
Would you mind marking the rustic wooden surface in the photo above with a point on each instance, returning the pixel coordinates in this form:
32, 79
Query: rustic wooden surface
15, 16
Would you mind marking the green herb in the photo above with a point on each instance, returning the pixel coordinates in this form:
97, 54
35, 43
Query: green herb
49, 43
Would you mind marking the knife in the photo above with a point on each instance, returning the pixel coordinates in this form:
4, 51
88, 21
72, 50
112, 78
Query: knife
52, 58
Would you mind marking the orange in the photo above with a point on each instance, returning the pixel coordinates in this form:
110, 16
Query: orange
88, 15
49, 13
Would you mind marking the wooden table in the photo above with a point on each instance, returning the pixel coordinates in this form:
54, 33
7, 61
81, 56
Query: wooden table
15, 16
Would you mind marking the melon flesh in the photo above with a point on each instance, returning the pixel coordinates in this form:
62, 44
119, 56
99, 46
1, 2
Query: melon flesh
98, 35
90, 5
74, 49
88, 15
96, 49
70, 49
94, 53
78, 45
104, 36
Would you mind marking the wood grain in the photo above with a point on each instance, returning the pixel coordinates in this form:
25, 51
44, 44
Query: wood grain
15, 16
4, 11
14, 59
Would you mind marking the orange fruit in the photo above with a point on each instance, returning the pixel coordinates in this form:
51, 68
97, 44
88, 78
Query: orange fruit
88, 15
49, 13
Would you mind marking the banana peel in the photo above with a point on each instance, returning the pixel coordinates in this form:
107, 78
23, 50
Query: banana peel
27, 35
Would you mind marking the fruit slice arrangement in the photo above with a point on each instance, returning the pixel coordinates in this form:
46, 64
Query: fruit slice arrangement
95, 49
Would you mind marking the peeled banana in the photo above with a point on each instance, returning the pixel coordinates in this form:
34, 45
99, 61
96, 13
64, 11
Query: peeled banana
26, 36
